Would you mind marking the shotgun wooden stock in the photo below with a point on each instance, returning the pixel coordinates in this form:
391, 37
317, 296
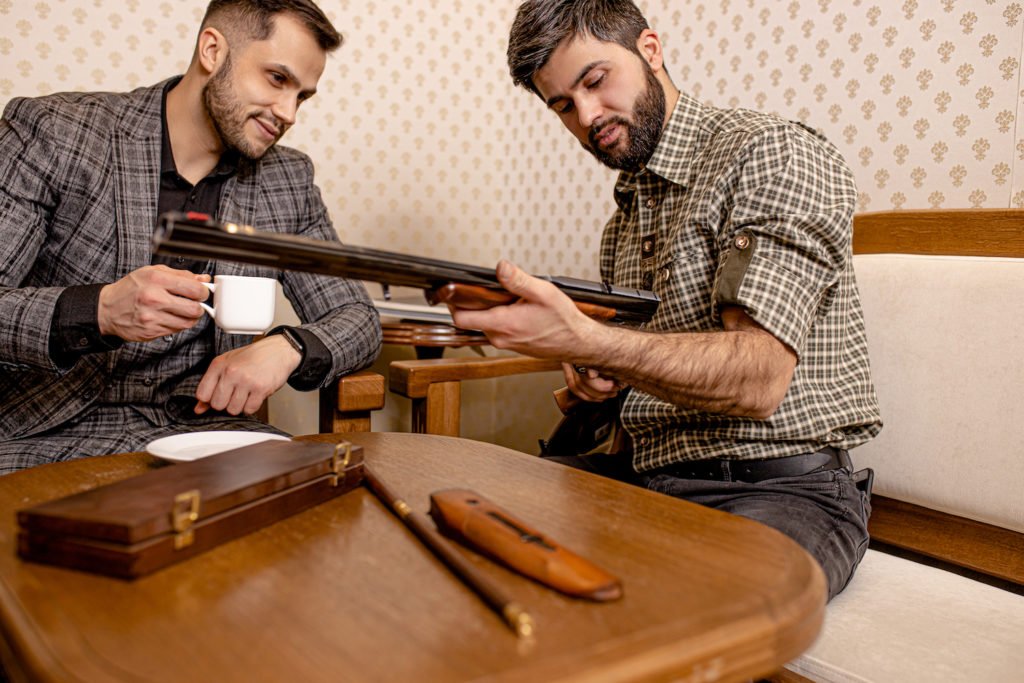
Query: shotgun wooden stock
478, 523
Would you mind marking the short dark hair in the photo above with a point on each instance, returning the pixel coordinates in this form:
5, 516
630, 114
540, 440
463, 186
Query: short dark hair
254, 19
540, 26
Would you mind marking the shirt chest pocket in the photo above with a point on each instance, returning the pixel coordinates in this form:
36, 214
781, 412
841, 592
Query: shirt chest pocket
684, 280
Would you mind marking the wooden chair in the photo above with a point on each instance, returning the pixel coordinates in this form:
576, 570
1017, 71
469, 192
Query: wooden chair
345, 406
435, 386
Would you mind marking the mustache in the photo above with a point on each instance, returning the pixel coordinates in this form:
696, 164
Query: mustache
596, 130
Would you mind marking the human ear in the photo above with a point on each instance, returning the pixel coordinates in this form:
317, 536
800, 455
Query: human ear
211, 49
649, 46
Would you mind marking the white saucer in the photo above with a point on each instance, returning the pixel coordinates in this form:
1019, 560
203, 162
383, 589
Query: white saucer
196, 445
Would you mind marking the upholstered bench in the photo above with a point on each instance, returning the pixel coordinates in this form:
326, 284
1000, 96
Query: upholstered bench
940, 596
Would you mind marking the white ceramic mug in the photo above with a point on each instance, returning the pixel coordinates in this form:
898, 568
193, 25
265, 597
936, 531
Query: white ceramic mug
242, 305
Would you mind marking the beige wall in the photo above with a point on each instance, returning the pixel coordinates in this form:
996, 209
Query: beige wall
422, 145
922, 96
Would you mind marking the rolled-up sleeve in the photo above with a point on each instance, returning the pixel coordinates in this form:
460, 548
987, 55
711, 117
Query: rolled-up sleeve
785, 243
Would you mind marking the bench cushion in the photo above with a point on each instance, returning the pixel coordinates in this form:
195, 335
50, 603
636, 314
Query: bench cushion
902, 621
945, 337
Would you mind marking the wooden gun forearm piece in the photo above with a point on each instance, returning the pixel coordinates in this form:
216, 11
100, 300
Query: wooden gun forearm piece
476, 298
474, 521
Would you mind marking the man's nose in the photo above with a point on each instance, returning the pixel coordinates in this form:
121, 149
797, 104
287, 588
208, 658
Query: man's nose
588, 111
285, 110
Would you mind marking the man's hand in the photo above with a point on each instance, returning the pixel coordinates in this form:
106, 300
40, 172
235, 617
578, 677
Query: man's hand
589, 384
544, 323
239, 381
151, 302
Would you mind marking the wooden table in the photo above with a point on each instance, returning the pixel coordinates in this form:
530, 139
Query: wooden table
344, 592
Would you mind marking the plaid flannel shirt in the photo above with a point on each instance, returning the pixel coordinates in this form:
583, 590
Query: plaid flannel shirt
741, 208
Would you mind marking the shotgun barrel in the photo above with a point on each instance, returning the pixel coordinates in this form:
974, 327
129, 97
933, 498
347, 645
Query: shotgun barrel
199, 236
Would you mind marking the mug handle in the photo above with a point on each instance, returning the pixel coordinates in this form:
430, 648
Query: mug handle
206, 307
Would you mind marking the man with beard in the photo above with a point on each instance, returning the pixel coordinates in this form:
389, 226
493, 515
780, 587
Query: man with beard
105, 347
752, 381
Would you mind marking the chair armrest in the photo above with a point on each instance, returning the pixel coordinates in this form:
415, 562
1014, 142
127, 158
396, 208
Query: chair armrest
412, 378
346, 404
436, 390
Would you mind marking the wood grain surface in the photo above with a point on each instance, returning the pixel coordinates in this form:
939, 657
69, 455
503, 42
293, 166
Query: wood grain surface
956, 232
344, 592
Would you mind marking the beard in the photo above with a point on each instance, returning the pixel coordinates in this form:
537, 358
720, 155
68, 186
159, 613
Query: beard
642, 133
229, 116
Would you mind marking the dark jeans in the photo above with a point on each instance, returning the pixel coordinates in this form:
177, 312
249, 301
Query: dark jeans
825, 512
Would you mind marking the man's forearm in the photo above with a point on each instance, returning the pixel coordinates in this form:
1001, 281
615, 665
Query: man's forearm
733, 372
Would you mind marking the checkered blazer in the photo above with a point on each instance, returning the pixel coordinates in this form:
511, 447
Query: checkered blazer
79, 181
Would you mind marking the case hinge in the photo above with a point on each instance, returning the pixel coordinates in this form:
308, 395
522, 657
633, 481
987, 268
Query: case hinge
339, 461
183, 515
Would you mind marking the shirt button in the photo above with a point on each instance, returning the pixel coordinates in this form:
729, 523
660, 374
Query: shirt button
83, 342
742, 242
644, 441
651, 202
666, 274
148, 381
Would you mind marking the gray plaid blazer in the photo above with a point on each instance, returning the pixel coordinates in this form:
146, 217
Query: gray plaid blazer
79, 180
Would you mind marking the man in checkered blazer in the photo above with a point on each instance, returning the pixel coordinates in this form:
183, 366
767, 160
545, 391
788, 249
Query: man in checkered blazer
752, 382
103, 346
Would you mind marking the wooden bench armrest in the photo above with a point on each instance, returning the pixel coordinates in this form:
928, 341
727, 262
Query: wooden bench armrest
346, 404
953, 232
435, 386
977, 546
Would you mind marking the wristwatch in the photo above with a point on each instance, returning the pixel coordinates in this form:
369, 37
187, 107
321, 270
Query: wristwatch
292, 337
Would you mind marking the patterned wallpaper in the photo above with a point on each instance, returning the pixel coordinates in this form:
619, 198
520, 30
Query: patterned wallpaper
401, 129
922, 96
422, 144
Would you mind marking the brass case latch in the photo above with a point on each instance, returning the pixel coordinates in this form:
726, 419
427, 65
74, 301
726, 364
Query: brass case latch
339, 461
183, 515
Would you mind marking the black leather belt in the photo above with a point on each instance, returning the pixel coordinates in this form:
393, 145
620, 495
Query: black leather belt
720, 469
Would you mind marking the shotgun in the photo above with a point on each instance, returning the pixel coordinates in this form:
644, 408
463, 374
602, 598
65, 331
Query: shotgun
197, 235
